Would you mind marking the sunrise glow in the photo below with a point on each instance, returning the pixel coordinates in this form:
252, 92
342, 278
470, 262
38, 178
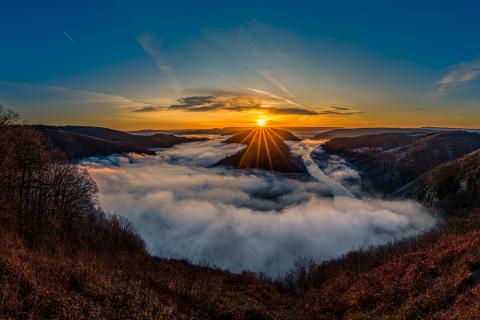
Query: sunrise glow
240, 70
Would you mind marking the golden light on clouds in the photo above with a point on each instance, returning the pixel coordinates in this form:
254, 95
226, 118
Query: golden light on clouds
230, 109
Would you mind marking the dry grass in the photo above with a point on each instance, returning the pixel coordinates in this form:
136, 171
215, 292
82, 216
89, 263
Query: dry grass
42, 285
440, 282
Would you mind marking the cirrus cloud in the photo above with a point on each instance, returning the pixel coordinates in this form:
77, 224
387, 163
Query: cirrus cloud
458, 75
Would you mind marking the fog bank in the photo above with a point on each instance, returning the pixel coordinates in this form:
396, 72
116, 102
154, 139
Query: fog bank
242, 220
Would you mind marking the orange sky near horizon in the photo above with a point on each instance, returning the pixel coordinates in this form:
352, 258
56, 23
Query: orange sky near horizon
184, 120
66, 106
179, 119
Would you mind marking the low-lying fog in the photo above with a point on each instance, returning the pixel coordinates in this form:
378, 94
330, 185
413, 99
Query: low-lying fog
242, 220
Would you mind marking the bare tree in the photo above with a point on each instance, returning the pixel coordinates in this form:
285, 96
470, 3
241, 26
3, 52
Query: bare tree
48, 199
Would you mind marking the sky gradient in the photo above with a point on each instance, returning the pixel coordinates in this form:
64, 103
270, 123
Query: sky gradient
198, 64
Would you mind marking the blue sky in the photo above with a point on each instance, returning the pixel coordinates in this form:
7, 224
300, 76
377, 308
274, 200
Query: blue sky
381, 63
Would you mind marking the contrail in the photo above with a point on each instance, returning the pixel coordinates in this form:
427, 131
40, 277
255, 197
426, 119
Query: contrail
277, 83
266, 93
274, 96
149, 45
68, 37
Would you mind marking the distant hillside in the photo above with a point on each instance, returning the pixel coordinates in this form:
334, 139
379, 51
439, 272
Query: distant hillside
219, 131
90, 141
347, 133
307, 132
452, 129
303, 131
222, 131
391, 160
246, 136
265, 150
453, 186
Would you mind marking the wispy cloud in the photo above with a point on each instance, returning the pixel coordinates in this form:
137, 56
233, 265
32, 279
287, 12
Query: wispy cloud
239, 103
66, 35
149, 108
150, 45
340, 108
293, 111
419, 108
458, 75
300, 111
274, 96
339, 113
255, 90
213, 102
298, 108
276, 82
49, 103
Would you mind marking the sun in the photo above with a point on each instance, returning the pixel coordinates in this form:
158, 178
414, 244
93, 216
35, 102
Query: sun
261, 122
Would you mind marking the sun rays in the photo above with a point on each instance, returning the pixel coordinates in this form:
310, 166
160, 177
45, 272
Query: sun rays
262, 142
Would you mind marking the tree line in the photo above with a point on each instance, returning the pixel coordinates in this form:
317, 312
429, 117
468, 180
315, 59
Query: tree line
49, 201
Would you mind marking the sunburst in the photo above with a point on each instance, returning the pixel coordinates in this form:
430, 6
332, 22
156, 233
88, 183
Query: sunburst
261, 122
262, 142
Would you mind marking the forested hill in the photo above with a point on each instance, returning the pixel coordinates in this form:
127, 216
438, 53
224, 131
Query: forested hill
357, 132
453, 186
391, 160
82, 142
266, 150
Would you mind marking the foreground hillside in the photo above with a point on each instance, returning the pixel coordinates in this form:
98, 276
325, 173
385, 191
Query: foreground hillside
36, 284
432, 280
437, 278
